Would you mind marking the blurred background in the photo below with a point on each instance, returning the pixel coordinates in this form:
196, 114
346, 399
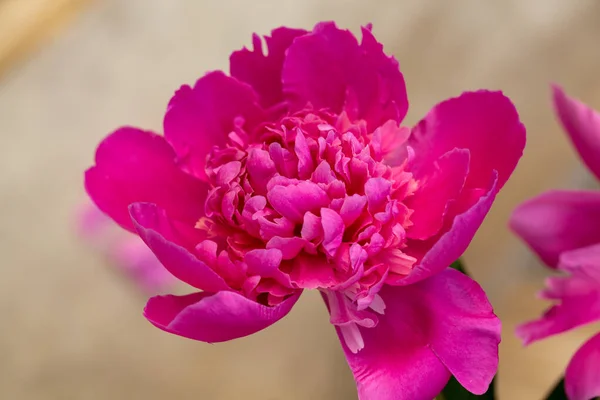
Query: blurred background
72, 70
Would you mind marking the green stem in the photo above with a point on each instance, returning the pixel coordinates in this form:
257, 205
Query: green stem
558, 392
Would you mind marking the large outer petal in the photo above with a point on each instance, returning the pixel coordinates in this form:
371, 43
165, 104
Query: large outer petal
263, 71
138, 166
583, 126
582, 378
447, 317
214, 317
486, 123
201, 117
329, 69
558, 221
163, 238
437, 253
443, 185
578, 296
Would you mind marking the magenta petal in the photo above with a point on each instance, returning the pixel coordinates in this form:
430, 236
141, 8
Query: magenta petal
582, 378
383, 97
377, 191
411, 371
452, 244
333, 231
577, 296
265, 263
305, 161
587, 258
138, 166
444, 184
352, 208
310, 272
311, 227
388, 142
155, 228
201, 117
260, 169
439, 326
329, 69
485, 123
295, 200
466, 334
263, 72
214, 317
228, 172
558, 221
289, 247
583, 126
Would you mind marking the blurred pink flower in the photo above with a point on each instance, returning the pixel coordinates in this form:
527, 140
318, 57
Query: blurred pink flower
125, 251
294, 173
563, 228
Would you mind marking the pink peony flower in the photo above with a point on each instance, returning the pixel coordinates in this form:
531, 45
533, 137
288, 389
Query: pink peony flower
125, 251
294, 173
563, 228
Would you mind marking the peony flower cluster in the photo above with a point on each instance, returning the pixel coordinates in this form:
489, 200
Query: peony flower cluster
294, 172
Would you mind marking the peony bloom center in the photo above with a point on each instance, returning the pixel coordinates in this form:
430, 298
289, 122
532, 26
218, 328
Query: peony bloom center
308, 203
